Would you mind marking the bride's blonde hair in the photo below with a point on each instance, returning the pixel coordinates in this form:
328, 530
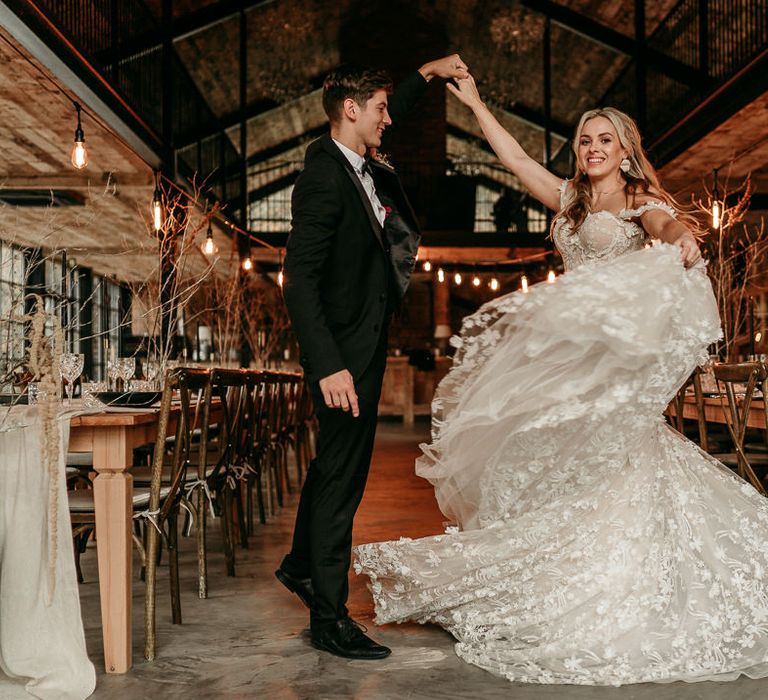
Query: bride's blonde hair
640, 178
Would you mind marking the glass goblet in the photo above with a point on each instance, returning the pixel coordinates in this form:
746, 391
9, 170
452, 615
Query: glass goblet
152, 370
113, 373
71, 367
127, 368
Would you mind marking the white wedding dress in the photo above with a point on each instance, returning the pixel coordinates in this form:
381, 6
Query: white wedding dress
594, 544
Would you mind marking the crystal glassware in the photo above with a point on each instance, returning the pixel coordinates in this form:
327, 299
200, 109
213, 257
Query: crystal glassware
89, 390
113, 373
71, 367
126, 369
151, 370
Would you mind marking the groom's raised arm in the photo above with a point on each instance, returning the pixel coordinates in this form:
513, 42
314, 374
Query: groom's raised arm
408, 91
315, 210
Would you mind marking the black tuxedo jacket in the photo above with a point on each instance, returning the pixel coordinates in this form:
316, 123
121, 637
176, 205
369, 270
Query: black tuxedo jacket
344, 272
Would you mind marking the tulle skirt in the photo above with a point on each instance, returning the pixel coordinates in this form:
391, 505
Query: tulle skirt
592, 543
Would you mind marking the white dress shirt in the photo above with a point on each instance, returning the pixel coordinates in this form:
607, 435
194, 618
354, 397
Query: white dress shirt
357, 162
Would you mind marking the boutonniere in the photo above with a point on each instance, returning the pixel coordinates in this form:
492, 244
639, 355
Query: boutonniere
382, 159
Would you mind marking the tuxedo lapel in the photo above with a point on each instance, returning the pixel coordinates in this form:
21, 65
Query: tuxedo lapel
331, 147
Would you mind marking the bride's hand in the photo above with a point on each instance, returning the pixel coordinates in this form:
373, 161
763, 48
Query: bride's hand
466, 91
690, 253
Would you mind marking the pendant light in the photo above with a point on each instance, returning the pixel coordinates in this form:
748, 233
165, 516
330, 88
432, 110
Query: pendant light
716, 211
157, 205
79, 151
209, 247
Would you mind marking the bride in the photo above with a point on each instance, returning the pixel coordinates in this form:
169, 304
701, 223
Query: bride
593, 544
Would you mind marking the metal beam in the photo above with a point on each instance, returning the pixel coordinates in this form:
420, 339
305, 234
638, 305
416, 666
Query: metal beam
538, 119
287, 145
739, 90
228, 121
184, 27
616, 41
75, 73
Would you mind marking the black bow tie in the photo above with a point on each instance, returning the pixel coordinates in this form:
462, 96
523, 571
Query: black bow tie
367, 166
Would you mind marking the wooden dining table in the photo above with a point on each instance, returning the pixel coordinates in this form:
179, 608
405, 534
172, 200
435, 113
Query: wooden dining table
111, 438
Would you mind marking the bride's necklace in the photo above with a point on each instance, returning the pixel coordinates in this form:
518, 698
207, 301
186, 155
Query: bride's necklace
601, 194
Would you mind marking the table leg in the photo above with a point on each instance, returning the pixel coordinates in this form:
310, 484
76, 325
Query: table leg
113, 496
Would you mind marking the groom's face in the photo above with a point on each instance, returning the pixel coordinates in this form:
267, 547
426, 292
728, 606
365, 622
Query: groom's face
372, 119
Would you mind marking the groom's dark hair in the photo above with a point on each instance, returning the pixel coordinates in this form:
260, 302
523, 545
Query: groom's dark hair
352, 81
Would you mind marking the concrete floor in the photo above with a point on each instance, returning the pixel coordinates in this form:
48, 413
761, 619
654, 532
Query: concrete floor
250, 638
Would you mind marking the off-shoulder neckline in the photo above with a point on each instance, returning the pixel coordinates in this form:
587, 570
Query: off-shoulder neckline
623, 213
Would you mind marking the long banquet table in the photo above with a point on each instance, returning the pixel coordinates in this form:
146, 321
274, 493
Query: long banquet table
111, 437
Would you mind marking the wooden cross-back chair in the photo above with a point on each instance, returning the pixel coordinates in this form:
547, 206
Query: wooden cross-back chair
228, 476
679, 402
752, 375
190, 386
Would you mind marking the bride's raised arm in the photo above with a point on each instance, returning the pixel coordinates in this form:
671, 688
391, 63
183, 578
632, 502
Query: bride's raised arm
541, 183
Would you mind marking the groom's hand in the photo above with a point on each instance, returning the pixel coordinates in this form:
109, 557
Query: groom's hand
450, 67
339, 392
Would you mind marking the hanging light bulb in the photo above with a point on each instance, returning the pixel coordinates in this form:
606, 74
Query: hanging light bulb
494, 284
551, 276
427, 266
157, 205
248, 264
440, 275
280, 278
79, 151
524, 284
476, 281
209, 247
280, 275
716, 213
457, 278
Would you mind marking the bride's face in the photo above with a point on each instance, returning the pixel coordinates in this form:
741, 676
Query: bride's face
600, 151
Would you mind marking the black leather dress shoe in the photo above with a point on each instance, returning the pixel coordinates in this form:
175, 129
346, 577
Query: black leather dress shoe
302, 587
347, 638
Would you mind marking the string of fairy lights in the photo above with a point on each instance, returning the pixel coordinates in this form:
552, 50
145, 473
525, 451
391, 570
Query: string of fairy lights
477, 277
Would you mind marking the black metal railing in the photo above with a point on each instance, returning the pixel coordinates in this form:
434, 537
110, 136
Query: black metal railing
715, 38
456, 194
101, 30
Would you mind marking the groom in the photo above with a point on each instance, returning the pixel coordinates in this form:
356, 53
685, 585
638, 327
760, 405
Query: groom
352, 248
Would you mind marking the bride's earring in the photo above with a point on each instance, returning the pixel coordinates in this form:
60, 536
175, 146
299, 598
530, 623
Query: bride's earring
625, 165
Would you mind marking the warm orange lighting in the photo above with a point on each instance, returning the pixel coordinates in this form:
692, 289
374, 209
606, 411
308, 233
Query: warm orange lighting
209, 247
440, 275
457, 278
551, 276
280, 278
79, 155
494, 284
524, 284
79, 151
247, 264
476, 281
716, 214
427, 266
157, 212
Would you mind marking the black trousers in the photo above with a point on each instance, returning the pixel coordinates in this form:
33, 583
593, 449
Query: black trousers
322, 537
